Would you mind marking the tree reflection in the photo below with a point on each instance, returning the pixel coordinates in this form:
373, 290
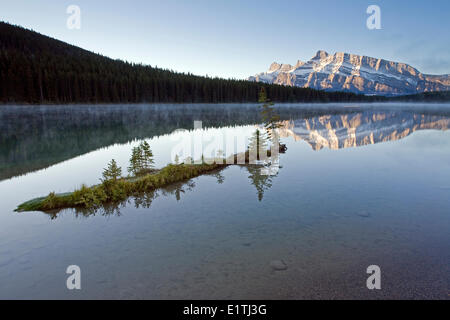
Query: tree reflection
141, 200
259, 181
38, 137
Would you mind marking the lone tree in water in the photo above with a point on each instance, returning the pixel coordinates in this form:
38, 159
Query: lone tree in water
141, 160
269, 116
112, 172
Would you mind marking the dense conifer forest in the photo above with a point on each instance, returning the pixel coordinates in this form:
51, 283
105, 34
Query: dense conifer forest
439, 96
38, 69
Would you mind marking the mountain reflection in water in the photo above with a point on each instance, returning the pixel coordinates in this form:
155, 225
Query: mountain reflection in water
359, 129
36, 138
33, 138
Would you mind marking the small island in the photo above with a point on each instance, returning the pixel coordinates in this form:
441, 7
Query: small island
115, 188
143, 177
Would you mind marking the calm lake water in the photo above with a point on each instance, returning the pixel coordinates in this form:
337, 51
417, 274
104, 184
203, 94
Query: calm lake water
359, 185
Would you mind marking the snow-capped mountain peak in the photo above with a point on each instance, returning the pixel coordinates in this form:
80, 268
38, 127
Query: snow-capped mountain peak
350, 72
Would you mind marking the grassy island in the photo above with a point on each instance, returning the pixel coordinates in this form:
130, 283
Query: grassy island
145, 178
116, 190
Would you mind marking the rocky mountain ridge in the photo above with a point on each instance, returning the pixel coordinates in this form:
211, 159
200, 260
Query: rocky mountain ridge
355, 73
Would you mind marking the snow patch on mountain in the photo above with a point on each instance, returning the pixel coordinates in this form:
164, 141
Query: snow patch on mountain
349, 72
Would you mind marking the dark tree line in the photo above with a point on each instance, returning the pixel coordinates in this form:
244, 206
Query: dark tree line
440, 96
37, 69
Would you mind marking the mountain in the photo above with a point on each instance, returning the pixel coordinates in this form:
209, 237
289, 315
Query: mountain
354, 73
35, 68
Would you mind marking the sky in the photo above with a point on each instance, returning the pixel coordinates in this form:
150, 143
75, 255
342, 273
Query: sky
239, 38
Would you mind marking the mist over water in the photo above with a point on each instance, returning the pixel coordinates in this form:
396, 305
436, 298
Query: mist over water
359, 185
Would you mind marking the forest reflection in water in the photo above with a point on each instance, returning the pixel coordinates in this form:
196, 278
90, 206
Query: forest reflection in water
34, 138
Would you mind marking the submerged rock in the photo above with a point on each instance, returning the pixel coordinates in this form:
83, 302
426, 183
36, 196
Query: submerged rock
278, 265
364, 214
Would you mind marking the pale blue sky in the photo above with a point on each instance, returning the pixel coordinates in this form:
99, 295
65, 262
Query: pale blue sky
238, 38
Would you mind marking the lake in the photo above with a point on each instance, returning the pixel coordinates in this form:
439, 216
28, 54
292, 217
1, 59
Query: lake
359, 185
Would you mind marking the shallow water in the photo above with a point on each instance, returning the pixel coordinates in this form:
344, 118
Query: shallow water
359, 185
